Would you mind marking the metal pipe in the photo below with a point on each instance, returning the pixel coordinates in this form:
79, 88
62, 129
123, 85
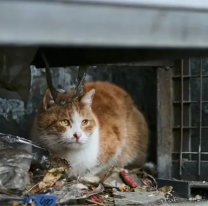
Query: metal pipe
181, 126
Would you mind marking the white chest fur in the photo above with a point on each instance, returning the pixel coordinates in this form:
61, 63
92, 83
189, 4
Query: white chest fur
85, 158
81, 159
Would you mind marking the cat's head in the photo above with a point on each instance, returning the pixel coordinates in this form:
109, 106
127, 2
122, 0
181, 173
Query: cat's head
69, 126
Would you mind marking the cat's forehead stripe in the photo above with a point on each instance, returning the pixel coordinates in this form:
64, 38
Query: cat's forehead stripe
76, 116
76, 106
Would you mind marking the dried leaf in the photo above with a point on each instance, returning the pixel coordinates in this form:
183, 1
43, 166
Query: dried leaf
198, 197
139, 189
166, 189
57, 162
147, 179
149, 189
92, 188
51, 177
147, 182
124, 188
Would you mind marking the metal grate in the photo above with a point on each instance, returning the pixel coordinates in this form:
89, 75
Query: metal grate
190, 120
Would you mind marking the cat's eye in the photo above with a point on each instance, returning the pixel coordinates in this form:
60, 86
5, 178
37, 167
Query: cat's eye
65, 122
85, 122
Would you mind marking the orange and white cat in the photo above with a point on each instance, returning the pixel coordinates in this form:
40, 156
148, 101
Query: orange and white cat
100, 128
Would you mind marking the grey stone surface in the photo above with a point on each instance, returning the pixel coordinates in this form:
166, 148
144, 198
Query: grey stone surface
137, 198
205, 203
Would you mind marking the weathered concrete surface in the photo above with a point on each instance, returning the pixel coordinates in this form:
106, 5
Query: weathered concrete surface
187, 204
151, 199
125, 198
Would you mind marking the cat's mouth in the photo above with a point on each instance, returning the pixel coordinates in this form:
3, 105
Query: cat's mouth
75, 143
72, 142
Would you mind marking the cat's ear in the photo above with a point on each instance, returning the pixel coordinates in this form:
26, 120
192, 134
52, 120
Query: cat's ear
47, 101
88, 97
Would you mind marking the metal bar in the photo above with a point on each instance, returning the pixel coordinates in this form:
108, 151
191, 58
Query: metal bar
200, 184
191, 127
181, 126
190, 152
195, 161
167, 24
155, 64
200, 121
189, 76
104, 55
189, 110
188, 102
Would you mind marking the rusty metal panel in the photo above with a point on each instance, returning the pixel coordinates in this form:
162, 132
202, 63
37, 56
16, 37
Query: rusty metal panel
164, 123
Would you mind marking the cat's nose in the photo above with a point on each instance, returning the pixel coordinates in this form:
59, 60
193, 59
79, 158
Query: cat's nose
77, 135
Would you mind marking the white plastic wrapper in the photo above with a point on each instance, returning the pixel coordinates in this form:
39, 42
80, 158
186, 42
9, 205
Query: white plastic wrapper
16, 155
73, 192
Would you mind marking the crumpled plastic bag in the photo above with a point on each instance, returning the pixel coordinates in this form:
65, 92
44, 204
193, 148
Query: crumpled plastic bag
14, 166
114, 180
73, 192
16, 155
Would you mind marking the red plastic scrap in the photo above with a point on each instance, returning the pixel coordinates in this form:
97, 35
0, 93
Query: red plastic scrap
94, 198
128, 180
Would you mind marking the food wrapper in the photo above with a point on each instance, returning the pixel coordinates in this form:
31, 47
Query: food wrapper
16, 156
73, 192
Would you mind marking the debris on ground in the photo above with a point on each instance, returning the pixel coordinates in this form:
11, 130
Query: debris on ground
128, 180
49, 180
196, 198
46, 179
125, 198
124, 188
186, 204
23, 182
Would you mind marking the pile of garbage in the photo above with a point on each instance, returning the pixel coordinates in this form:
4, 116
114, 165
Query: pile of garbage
32, 176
